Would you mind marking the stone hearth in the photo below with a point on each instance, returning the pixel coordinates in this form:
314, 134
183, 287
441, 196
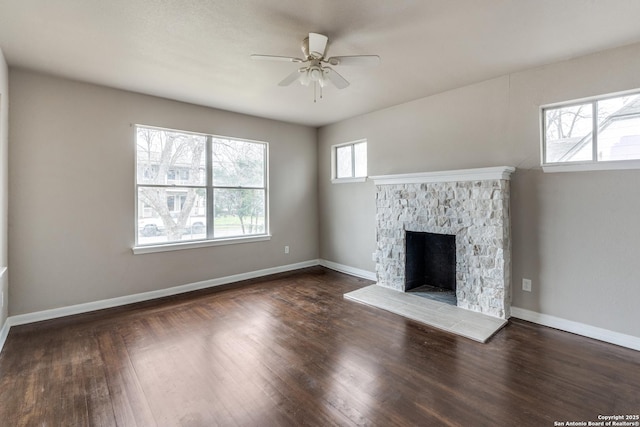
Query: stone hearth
473, 205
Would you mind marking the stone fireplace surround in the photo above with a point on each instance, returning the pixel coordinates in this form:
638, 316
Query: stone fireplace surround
473, 205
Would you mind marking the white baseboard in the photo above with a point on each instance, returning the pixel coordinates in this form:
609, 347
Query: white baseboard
54, 313
4, 332
364, 274
623, 340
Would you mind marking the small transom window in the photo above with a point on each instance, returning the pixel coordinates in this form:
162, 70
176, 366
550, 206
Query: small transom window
349, 161
597, 131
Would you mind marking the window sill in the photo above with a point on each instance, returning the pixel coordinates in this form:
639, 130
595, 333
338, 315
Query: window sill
138, 250
348, 180
592, 166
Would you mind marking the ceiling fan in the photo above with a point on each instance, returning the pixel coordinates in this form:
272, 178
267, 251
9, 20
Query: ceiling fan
316, 68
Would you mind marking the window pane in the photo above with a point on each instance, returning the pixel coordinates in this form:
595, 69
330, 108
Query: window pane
170, 158
568, 133
344, 162
360, 151
238, 163
180, 189
238, 212
171, 214
619, 128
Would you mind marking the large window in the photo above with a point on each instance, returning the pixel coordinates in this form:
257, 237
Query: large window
600, 131
195, 187
349, 161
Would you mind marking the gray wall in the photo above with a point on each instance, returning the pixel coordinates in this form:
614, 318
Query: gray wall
4, 138
71, 187
71, 190
574, 234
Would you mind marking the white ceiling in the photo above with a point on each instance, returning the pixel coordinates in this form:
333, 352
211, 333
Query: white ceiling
198, 51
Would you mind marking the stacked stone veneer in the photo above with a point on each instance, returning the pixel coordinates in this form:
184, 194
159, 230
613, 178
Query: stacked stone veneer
476, 212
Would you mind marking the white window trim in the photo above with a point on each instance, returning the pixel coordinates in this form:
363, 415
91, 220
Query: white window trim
193, 244
584, 166
334, 178
591, 166
348, 180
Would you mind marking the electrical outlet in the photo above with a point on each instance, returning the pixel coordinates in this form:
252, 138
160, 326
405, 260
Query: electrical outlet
374, 256
526, 285
286, 249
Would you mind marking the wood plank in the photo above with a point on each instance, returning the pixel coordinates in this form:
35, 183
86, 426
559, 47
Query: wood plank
129, 403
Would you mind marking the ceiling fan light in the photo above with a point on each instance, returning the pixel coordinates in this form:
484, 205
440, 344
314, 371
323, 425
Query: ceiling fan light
304, 78
323, 78
315, 74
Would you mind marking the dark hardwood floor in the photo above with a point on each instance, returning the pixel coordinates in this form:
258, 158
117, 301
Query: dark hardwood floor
288, 350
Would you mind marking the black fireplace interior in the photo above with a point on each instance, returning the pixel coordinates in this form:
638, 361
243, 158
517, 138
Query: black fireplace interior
430, 261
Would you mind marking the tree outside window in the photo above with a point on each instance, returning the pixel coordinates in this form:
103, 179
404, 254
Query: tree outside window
198, 187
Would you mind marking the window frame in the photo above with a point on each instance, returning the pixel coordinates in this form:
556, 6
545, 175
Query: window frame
334, 162
209, 187
584, 165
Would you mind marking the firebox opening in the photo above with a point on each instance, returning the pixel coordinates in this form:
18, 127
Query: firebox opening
430, 267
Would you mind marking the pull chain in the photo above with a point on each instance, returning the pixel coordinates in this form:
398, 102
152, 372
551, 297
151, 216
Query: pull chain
315, 88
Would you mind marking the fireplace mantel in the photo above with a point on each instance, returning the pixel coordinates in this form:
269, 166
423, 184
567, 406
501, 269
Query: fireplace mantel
460, 175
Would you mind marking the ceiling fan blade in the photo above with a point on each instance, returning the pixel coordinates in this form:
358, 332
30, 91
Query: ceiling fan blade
369, 60
335, 78
290, 78
317, 44
276, 58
